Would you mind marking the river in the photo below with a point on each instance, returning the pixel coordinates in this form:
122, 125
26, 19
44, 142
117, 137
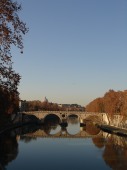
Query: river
50, 147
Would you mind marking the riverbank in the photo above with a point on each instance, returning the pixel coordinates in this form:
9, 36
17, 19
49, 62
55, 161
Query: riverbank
113, 130
20, 121
14, 126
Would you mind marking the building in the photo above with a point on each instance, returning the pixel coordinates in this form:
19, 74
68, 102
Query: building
72, 107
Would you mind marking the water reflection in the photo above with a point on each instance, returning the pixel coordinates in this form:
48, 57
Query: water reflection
91, 129
117, 152
110, 148
73, 125
51, 124
8, 149
27, 139
73, 119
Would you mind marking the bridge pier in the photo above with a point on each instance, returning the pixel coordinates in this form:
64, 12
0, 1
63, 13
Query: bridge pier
81, 120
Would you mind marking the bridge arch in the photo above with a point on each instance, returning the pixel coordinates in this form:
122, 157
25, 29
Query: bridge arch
52, 116
51, 124
73, 115
63, 115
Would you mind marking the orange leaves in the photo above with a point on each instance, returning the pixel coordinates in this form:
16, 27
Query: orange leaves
11, 31
113, 103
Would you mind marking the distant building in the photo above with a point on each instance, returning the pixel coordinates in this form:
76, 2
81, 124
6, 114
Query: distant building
60, 105
72, 107
45, 100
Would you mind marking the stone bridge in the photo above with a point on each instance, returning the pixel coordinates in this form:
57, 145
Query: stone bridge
63, 115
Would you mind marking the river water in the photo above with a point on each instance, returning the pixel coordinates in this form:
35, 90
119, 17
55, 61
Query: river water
50, 147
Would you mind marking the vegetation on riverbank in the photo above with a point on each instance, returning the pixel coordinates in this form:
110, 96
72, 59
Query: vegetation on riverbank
113, 102
37, 105
9, 101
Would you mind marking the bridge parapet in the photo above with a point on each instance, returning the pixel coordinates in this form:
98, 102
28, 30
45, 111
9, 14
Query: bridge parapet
64, 114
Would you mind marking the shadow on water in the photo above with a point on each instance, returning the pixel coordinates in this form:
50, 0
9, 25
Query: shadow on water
8, 149
114, 148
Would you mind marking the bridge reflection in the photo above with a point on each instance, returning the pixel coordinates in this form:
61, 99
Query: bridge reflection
114, 151
61, 134
52, 128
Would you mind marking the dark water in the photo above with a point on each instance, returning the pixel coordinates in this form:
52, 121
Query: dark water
51, 147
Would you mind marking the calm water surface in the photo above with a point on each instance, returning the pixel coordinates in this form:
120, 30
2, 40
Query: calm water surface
51, 147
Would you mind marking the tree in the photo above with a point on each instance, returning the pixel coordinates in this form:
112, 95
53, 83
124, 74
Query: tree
11, 31
95, 106
113, 102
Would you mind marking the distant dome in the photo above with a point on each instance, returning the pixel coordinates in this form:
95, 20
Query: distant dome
45, 100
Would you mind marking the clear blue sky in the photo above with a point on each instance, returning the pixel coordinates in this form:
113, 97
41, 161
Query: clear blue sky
75, 51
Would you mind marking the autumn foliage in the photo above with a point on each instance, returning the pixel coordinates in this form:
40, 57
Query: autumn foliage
11, 31
113, 102
9, 101
38, 105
